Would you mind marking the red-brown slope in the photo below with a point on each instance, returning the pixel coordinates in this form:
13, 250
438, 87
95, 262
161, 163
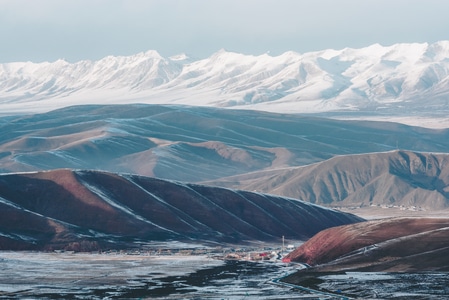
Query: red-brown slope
60, 196
58, 208
383, 245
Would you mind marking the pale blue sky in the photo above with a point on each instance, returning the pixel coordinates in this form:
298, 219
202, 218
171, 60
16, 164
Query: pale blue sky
46, 30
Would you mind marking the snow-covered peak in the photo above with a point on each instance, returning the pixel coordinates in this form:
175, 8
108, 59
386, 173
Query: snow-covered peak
438, 51
289, 56
152, 54
375, 78
223, 58
411, 53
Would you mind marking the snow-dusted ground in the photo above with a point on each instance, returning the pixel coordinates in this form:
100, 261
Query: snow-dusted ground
109, 276
28, 273
33, 275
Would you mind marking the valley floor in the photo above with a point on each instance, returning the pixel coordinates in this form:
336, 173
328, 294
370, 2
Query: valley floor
124, 276
119, 275
377, 212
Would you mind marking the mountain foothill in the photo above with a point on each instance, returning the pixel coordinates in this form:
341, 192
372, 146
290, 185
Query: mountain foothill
93, 210
69, 174
82, 175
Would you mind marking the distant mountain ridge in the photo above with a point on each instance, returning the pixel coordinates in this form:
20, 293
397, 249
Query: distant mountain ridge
399, 80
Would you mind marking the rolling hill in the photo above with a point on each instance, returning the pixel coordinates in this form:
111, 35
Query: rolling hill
387, 245
193, 144
91, 210
397, 178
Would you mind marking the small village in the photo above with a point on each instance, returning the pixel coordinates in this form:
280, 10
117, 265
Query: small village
257, 253
225, 253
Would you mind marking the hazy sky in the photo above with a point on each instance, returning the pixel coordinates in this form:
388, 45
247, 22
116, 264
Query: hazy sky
46, 30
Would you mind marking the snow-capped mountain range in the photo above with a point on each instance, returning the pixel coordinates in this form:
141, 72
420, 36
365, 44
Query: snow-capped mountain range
399, 80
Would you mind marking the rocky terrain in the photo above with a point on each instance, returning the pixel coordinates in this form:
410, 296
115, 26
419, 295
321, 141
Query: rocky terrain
88, 210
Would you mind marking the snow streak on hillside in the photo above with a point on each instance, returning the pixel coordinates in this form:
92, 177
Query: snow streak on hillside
402, 80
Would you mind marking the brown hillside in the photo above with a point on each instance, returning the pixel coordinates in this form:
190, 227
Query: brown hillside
400, 244
56, 209
397, 178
